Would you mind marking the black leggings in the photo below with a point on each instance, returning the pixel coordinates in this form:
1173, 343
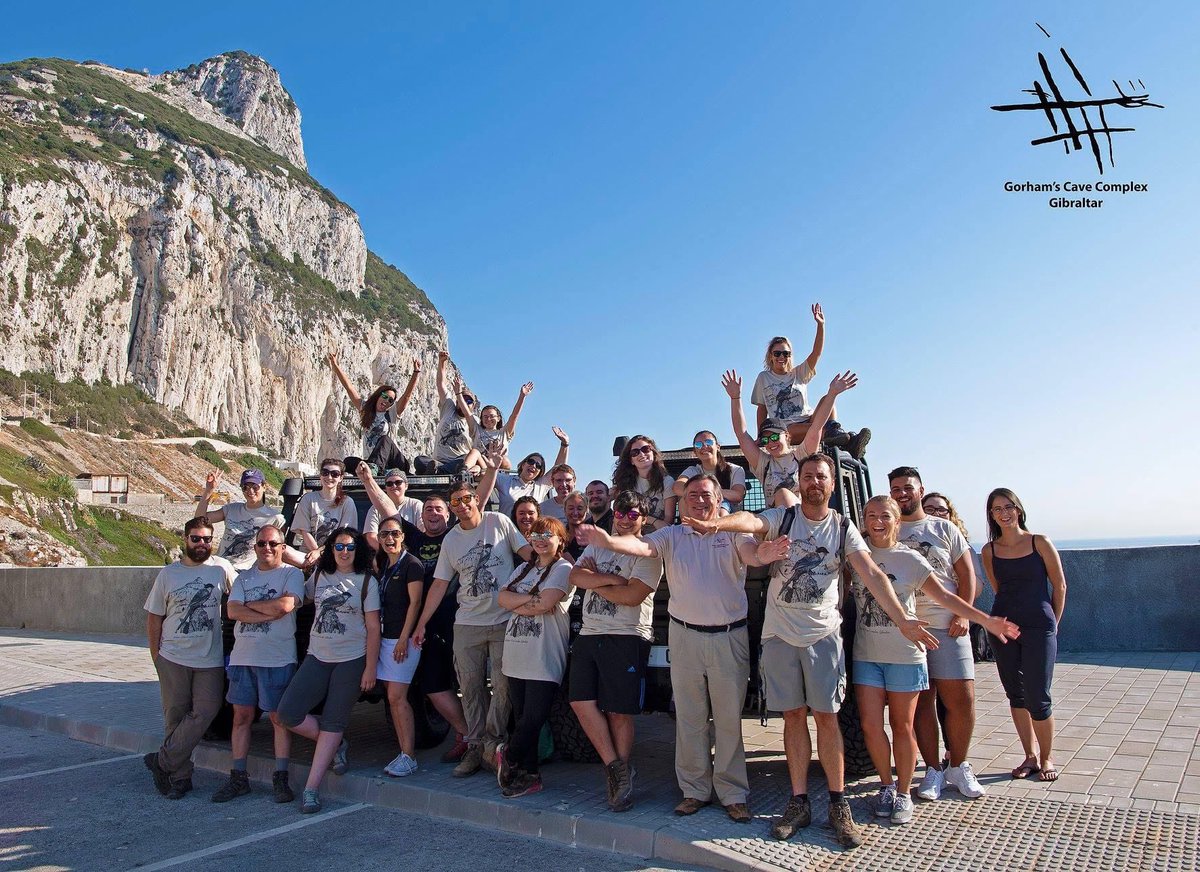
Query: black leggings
531, 701
1026, 667
316, 680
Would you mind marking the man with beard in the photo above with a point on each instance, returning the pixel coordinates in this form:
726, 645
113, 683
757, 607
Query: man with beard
599, 513
803, 664
951, 666
710, 649
481, 551
608, 659
242, 520
183, 628
435, 670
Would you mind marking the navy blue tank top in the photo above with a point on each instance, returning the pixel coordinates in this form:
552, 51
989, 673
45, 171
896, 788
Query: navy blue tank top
1024, 595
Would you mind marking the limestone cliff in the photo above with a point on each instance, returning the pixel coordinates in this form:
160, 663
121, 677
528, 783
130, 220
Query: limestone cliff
162, 230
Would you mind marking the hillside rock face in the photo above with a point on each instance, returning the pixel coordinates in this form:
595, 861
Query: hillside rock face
145, 240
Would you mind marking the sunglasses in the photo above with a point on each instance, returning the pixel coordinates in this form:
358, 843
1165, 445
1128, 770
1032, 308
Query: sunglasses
462, 501
264, 544
395, 482
781, 354
331, 473
540, 537
389, 534
196, 540
647, 450
631, 515
768, 438
343, 546
704, 443
388, 398
251, 485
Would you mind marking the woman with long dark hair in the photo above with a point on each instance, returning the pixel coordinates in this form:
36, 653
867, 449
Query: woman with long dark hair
1024, 570
535, 652
525, 513
343, 650
320, 512
379, 415
640, 468
709, 459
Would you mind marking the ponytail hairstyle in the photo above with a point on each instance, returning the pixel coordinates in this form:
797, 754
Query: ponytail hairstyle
542, 525
340, 496
723, 472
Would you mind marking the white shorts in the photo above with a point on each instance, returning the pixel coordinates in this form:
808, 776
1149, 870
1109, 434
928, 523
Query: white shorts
389, 670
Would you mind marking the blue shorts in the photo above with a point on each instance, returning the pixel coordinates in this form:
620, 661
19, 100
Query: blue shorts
896, 677
261, 686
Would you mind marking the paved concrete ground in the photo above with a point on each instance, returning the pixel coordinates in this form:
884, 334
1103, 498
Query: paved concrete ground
1129, 795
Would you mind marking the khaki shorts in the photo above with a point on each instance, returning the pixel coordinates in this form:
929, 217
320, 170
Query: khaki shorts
814, 676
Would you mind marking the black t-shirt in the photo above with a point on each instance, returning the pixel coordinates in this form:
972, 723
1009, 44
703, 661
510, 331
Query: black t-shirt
605, 523
427, 549
393, 593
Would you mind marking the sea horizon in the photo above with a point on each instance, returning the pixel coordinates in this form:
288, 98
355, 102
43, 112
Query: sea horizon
1118, 542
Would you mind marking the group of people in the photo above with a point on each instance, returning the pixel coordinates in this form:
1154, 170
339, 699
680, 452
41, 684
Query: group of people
443, 591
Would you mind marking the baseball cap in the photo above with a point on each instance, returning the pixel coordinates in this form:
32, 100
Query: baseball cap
253, 476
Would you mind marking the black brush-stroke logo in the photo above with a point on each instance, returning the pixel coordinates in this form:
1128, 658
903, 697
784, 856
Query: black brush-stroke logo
1051, 102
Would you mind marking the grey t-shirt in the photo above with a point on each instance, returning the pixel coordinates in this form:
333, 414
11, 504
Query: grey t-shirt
511, 488
604, 617
785, 396
802, 597
483, 559
706, 574
189, 600
548, 508
410, 510
242, 524
452, 439
339, 632
320, 517
877, 639
940, 543
657, 499
775, 474
535, 647
269, 643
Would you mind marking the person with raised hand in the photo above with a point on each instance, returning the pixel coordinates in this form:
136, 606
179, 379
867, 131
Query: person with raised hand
452, 438
242, 520
320, 512
531, 478
773, 458
492, 430
709, 459
379, 415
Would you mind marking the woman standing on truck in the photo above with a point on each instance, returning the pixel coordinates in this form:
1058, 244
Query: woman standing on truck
888, 668
321, 512
380, 415
1024, 570
640, 468
535, 652
709, 459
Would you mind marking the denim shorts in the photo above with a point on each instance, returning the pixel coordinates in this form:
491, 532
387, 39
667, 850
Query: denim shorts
896, 677
262, 686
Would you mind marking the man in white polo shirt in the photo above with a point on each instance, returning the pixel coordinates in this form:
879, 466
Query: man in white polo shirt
710, 648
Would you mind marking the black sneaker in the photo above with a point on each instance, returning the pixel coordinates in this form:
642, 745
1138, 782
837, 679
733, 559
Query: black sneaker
180, 789
796, 816
237, 785
279, 785
162, 782
857, 447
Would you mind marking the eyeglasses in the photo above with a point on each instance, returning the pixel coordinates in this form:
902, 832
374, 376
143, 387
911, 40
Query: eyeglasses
940, 511
395, 482
196, 540
331, 473
768, 438
647, 450
461, 501
1004, 510
540, 537
388, 398
343, 546
262, 543
781, 354
631, 515
704, 443
389, 534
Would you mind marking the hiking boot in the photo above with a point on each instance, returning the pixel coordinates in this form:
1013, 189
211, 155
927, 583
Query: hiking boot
902, 813
401, 767
620, 786
488, 757
311, 802
237, 785
844, 828
523, 784
180, 789
456, 751
162, 782
280, 788
885, 801
339, 764
690, 805
504, 770
797, 814
963, 779
857, 446
470, 762
931, 785
835, 435
738, 812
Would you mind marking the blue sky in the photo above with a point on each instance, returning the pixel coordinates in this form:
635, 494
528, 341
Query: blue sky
619, 201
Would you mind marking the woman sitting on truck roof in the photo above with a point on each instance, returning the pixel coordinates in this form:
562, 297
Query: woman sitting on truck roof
640, 468
709, 459
380, 415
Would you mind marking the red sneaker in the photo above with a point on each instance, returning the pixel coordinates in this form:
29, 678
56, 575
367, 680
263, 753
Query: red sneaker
456, 750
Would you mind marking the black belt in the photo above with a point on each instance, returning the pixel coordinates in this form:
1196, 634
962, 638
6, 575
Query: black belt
710, 628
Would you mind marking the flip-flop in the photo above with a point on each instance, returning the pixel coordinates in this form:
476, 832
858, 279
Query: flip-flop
1026, 769
1050, 773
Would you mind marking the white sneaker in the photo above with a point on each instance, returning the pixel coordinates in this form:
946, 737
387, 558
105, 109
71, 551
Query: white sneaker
903, 810
962, 779
401, 767
932, 784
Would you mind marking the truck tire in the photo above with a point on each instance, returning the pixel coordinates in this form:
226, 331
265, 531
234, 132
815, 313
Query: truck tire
570, 741
858, 760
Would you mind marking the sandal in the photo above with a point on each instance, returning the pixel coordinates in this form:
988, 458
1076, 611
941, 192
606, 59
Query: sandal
1048, 772
1029, 767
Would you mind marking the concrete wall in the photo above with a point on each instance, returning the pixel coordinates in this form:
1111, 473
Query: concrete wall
1121, 599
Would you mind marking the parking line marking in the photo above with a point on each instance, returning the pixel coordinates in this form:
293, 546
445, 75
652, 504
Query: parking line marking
69, 768
257, 837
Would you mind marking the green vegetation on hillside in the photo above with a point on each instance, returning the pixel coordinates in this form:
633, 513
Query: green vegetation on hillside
110, 408
38, 430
